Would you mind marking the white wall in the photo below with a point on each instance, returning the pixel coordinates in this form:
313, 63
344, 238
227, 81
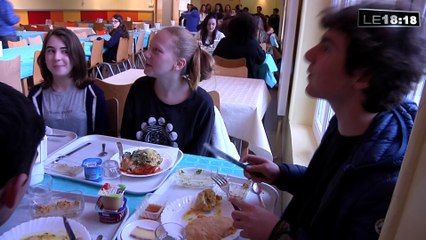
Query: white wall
83, 4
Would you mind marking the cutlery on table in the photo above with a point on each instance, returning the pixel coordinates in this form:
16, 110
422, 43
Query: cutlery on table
67, 225
72, 152
120, 151
257, 189
55, 135
224, 185
228, 158
103, 153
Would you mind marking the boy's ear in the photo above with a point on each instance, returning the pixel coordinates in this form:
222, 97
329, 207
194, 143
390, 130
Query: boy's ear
13, 190
363, 79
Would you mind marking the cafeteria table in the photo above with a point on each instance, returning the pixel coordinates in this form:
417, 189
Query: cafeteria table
243, 103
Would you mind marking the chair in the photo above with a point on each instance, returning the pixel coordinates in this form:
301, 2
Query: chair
230, 67
97, 26
151, 36
113, 108
139, 55
81, 35
37, 78
131, 52
83, 24
35, 40
216, 98
220, 136
96, 59
19, 43
10, 73
115, 91
122, 54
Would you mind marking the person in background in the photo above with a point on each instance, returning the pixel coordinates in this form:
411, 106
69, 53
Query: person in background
238, 8
227, 11
21, 131
8, 20
118, 31
208, 8
241, 43
209, 31
274, 20
67, 99
345, 192
192, 19
218, 9
259, 12
246, 10
188, 10
166, 106
203, 12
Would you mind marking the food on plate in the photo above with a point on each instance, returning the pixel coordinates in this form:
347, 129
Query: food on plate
142, 233
141, 162
66, 169
194, 177
209, 228
68, 208
46, 236
207, 200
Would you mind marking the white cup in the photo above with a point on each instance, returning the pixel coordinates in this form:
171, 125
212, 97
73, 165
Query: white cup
146, 26
173, 23
157, 25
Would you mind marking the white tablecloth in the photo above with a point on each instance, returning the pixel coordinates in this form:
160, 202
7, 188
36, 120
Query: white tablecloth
126, 77
243, 103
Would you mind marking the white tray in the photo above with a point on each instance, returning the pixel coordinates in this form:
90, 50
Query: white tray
55, 143
133, 184
89, 218
170, 191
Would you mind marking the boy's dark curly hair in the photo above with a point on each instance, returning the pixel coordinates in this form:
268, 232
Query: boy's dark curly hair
394, 57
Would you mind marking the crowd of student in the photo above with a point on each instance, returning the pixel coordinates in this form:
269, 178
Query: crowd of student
345, 191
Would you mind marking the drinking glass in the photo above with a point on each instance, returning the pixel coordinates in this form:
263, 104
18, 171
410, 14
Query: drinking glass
170, 231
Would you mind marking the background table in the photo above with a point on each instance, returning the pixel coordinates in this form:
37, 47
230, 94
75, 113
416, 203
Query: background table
27, 57
243, 103
27, 34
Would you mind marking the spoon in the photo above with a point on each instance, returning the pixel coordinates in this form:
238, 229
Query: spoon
257, 188
103, 153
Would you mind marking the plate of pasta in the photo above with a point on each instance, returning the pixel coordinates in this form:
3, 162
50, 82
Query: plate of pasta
144, 162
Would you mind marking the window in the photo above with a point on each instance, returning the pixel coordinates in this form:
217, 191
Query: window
324, 112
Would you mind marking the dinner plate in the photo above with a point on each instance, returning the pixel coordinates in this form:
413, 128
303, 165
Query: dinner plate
143, 223
167, 163
178, 212
53, 225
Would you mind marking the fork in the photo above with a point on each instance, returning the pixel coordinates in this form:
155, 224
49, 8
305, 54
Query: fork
224, 185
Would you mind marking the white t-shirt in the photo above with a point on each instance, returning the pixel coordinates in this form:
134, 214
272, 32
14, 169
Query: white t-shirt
209, 41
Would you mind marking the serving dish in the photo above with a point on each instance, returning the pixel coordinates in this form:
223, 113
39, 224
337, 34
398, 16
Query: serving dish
51, 225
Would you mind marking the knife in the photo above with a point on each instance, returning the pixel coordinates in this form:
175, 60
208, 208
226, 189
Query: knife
228, 158
73, 151
70, 233
223, 155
